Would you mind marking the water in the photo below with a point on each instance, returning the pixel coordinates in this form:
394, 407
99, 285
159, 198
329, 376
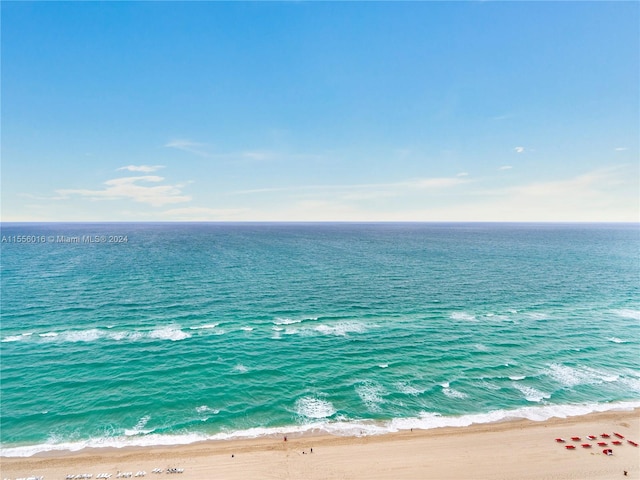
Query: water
180, 332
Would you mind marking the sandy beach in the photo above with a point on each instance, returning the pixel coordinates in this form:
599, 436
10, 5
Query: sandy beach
518, 449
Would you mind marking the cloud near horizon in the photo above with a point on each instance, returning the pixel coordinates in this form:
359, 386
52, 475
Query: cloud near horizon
418, 183
129, 188
593, 196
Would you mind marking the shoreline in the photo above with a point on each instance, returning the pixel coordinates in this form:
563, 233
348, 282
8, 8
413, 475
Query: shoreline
517, 448
347, 429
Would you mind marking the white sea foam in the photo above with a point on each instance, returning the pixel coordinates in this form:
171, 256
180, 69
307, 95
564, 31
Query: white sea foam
204, 327
17, 338
371, 394
496, 317
241, 368
285, 321
312, 407
462, 316
206, 409
139, 427
632, 384
628, 313
451, 393
481, 348
291, 321
531, 394
573, 376
517, 377
429, 420
616, 340
172, 333
383, 365
130, 336
341, 328
425, 420
73, 335
294, 331
104, 442
12, 338
246, 329
82, 335
408, 389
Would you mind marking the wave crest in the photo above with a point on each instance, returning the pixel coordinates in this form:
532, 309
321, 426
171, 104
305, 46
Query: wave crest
312, 407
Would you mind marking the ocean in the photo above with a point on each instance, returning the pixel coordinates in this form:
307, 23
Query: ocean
147, 334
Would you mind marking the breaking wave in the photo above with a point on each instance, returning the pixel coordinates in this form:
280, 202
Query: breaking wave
312, 408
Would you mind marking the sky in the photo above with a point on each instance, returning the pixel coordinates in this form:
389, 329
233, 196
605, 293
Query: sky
320, 111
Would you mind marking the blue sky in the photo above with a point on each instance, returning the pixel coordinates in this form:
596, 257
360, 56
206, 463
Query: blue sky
305, 111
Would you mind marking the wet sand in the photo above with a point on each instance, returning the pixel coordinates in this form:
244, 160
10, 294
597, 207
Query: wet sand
519, 449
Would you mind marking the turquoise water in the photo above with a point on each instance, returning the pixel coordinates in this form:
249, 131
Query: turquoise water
172, 333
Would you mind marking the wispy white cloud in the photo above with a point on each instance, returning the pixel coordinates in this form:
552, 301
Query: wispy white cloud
462, 174
141, 168
418, 183
130, 188
600, 195
188, 146
621, 149
204, 150
519, 149
586, 185
505, 167
608, 194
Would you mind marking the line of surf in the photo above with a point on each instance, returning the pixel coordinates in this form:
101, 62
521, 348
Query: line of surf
337, 427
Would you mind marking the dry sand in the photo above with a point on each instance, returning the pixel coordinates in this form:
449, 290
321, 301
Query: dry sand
519, 449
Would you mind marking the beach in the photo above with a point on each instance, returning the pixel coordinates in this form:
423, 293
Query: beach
516, 449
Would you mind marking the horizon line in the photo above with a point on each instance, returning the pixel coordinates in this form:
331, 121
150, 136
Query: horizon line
321, 222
